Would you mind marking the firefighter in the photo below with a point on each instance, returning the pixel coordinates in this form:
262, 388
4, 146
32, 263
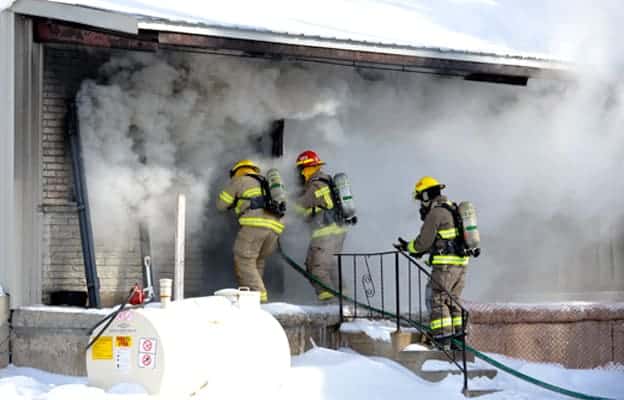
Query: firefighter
259, 229
448, 273
327, 237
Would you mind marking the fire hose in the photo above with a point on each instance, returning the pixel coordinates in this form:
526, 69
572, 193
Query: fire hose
477, 353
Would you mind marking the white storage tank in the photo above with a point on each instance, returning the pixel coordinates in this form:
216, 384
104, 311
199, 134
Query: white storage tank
211, 343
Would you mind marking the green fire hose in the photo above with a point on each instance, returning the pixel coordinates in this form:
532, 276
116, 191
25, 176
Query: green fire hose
470, 349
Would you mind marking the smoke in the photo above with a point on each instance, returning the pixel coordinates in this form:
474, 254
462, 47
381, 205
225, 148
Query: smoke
540, 163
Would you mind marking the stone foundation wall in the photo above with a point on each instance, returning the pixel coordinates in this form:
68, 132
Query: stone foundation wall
4, 331
54, 338
576, 335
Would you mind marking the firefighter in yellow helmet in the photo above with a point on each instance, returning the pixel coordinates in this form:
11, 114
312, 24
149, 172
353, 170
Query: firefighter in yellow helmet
259, 228
316, 204
448, 273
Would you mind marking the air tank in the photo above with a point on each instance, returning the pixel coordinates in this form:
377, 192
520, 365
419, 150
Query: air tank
276, 185
468, 215
220, 345
343, 186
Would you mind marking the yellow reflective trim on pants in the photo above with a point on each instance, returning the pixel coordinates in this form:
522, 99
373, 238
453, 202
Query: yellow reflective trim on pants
440, 323
449, 260
448, 233
226, 197
457, 321
253, 192
259, 222
325, 295
264, 297
332, 229
411, 247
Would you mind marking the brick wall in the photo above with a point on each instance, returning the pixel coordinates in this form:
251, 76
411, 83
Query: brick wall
64, 70
118, 264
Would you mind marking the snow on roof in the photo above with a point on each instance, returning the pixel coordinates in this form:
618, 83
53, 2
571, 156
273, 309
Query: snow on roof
480, 27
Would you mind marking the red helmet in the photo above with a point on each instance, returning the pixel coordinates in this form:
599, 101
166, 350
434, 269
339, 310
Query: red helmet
309, 159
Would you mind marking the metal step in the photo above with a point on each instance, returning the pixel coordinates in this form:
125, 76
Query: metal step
437, 376
414, 359
481, 392
414, 356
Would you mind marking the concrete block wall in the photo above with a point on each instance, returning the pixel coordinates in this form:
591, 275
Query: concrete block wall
4, 331
575, 335
54, 338
65, 68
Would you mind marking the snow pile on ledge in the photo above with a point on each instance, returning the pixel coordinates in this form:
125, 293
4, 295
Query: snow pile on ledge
544, 312
294, 309
377, 330
67, 309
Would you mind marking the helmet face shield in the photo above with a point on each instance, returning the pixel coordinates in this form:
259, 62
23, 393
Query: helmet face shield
301, 175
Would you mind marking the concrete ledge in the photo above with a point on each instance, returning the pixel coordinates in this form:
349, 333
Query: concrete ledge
54, 338
302, 323
364, 344
4, 331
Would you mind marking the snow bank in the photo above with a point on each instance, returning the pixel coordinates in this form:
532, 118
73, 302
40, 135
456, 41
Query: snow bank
324, 374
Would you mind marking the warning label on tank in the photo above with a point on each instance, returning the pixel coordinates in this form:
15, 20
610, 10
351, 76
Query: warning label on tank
147, 360
123, 341
103, 348
147, 345
122, 359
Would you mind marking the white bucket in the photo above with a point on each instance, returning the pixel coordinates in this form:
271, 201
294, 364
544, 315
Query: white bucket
165, 291
243, 297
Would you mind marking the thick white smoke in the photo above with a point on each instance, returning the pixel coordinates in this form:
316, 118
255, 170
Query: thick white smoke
540, 163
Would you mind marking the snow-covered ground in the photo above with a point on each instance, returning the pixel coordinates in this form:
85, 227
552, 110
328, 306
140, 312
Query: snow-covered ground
340, 375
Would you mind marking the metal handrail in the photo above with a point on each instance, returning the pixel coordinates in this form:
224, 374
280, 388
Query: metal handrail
426, 331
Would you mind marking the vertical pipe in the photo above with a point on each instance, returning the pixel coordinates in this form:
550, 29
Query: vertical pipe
355, 286
463, 339
419, 296
383, 309
398, 296
81, 194
340, 288
178, 276
409, 289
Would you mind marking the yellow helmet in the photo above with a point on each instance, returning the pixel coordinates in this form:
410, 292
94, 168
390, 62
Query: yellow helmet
426, 182
244, 163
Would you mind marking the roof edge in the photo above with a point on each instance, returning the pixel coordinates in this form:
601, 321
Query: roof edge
352, 45
109, 20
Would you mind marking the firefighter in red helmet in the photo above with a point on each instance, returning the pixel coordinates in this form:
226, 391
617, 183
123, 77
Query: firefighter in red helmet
327, 237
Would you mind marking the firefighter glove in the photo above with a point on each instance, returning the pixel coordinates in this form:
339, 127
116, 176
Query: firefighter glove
402, 245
